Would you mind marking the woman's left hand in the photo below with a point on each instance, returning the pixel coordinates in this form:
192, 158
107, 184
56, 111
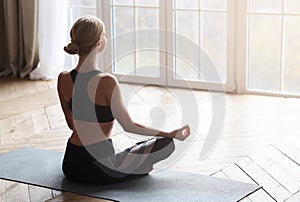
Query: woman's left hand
182, 133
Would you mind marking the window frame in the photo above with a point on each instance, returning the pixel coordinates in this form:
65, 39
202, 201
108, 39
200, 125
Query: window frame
246, 32
237, 50
230, 85
166, 23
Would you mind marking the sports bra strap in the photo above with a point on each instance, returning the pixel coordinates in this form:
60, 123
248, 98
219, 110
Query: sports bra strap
73, 74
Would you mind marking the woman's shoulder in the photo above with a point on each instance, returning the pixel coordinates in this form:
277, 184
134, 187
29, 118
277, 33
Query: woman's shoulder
63, 75
64, 78
104, 81
108, 78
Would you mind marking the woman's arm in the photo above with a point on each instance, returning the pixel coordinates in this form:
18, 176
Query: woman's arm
63, 102
114, 98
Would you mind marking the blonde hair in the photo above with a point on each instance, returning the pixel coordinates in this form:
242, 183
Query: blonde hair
85, 34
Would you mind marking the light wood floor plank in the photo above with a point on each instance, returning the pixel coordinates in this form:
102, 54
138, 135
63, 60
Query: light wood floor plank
276, 170
261, 196
68, 197
40, 121
294, 198
4, 91
290, 151
40, 85
235, 173
8, 131
284, 162
245, 200
38, 194
28, 103
56, 117
2, 191
16, 192
264, 179
14, 92
220, 174
52, 84
24, 126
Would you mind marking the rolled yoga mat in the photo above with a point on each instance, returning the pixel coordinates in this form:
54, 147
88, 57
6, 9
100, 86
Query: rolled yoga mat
43, 168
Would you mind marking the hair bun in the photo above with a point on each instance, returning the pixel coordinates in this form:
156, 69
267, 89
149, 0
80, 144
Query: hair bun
72, 48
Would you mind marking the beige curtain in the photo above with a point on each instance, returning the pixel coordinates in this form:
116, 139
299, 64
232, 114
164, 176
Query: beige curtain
18, 37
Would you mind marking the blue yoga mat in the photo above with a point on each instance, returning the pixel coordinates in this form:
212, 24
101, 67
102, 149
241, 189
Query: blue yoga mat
43, 168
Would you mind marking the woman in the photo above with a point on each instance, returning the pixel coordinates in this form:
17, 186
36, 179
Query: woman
91, 101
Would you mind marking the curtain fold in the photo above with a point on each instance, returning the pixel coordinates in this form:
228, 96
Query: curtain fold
53, 31
19, 22
29, 17
3, 44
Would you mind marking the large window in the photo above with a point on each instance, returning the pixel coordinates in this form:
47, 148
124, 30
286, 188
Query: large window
253, 43
135, 50
274, 46
205, 23
172, 42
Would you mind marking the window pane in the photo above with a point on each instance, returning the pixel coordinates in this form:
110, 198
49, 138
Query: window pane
148, 63
147, 18
191, 4
84, 3
214, 44
266, 5
206, 61
264, 52
79, 12
187, 24
147, 3
213, 4
187, 44
147, 22
292, 6
125, 65
139, 28
122, 2
292, 55
123, 39
186, 70
123, 20
187, 58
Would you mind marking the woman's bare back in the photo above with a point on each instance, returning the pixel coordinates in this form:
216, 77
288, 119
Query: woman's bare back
85, 133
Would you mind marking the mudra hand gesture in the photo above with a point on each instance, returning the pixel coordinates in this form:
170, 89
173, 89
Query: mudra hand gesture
181, 133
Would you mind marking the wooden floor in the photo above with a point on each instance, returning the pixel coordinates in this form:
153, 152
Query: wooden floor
259, 141
276, 168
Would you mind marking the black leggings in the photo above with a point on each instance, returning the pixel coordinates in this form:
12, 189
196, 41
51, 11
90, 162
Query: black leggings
80, 162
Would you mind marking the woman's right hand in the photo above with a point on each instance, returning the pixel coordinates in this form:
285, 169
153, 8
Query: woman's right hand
181, 133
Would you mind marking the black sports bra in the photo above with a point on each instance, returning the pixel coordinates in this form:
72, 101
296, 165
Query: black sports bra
81, 105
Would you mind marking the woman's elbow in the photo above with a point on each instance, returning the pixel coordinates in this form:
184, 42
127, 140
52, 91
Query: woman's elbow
128, 126
70, 127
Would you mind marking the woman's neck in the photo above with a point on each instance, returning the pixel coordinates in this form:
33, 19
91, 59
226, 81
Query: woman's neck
87, 63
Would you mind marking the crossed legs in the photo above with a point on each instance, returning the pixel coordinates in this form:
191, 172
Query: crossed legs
141, 157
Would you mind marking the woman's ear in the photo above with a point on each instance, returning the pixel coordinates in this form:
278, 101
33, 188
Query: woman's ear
101, 45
